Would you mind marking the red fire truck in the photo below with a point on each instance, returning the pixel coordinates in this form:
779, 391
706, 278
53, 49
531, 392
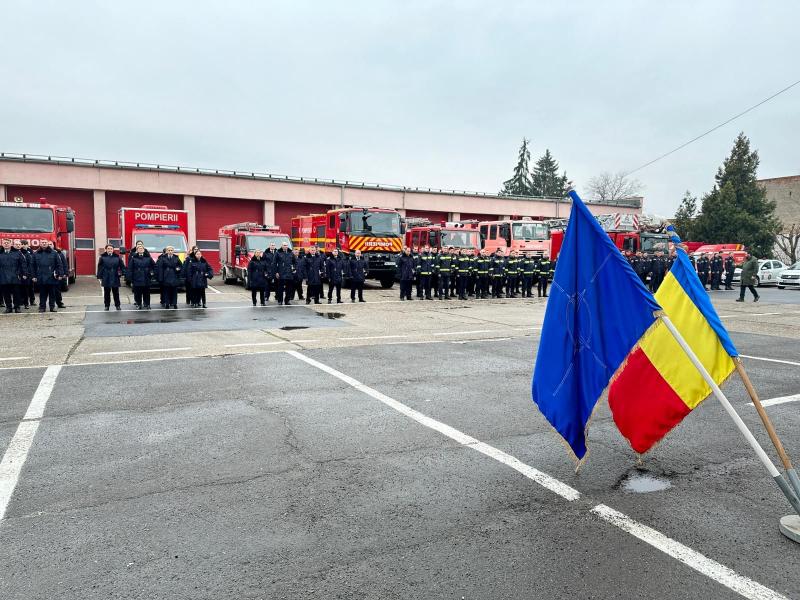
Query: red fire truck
526, 235
38, 221
156, 227
239, 241
630, 233
374, 231
458, 235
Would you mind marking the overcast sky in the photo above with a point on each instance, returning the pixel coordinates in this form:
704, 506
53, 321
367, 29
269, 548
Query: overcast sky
433, 94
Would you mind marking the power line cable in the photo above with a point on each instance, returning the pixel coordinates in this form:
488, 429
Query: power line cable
733, 118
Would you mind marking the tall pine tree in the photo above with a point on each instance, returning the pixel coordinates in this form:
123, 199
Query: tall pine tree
545, 180
520, 182
737, 209
684, 217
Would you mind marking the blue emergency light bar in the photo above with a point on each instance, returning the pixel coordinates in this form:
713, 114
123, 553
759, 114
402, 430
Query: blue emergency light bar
145, 226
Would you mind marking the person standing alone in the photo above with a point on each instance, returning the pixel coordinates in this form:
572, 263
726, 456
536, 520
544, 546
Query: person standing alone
748, 277
109, 270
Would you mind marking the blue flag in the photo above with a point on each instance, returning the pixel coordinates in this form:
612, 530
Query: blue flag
597, 311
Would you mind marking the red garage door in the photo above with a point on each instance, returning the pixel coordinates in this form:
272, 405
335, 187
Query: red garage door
117, 200
82, 202
213, 213
433, 216
285, 211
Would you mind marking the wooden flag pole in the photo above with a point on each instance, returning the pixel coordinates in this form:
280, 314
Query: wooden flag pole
787, 462
762, 456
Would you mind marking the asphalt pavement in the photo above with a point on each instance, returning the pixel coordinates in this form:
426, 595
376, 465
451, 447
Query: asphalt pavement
374, 461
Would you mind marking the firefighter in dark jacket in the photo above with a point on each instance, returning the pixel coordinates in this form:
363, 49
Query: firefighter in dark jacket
109, 270
482, 265
444, 268
335, 271
426, 264
658, 269
716, 271
416, 253
528, 269
703, 266
730, 267
141, 269
405, 270
22, 287
284, 274
298, 273
12, 271
357, 271
30, 298
187, 282
199, 274
435, 274
511, 274
270, 258
169, 269
464, 262
545, 269
313, 270
498, 273
64, 267
47, 273
257, 273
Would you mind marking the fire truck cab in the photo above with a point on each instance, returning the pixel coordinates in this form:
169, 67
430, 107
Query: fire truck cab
156, 227
238, 243
526, 235
373, 231
37, 221
456, 235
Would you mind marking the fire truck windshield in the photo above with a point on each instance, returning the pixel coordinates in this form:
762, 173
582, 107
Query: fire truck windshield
460, 239
378, 223
529, 231
156, 242
262, 242
19, 219
655, 243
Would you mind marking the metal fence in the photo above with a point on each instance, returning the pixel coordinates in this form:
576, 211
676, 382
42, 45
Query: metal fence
140, 166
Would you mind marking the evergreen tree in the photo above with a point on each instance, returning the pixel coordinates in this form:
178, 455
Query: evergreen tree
520, 182
684, 217
545, 180
737, 209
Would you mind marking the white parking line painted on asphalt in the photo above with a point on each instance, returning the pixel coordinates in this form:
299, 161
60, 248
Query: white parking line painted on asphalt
215, 290
139, 351
710, 568
706, 566
257, 344
17, 452
465, 332
505, 339
775, 360
780, 400
373, 337
15, 358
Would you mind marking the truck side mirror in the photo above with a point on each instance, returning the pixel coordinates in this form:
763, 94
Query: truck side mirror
70, 222
123, 250
237, 250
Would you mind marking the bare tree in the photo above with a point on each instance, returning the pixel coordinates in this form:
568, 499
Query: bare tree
609, 187
788, 244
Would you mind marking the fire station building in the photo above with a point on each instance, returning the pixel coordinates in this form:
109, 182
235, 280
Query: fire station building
97, 189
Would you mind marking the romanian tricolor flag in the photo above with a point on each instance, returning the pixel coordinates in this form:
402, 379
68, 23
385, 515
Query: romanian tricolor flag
658, 385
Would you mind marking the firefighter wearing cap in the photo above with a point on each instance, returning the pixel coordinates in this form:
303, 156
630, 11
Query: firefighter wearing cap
703, 269
482, 264
498, 272
435, 273
454, 273
511, 274
730, 267
528, 264
426, 264
545, 268
716, 271
444, 267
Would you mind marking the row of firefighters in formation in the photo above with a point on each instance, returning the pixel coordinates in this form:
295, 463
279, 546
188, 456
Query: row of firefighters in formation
21, 269
710, 269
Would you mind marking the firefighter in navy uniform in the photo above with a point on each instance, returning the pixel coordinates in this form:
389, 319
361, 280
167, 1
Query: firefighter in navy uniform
658, 269
357, 271
716, 271
12, 270
425, 262
405, 270
335, 270
528, 267
703, 267
416, 253
22, 287
65, 268
454, 272
444, 267
435, 273
511, 274
498, 272
482, 264
283, 273
472, 277
464, 269
313, 269
545, 268
730, 267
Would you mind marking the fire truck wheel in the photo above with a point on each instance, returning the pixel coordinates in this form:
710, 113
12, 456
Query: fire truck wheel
387, 283
226, 277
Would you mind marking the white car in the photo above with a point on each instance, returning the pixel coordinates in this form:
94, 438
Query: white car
790, 277
768, 272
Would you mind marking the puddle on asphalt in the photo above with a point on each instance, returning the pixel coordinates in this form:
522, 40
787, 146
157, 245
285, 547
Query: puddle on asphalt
642, 482
331, 315
293, 327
